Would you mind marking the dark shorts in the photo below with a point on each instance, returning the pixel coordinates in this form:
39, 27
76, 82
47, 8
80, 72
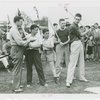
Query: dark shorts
90, 50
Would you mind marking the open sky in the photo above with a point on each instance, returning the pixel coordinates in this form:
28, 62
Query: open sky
54, 9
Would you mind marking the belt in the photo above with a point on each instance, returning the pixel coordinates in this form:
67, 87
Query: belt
47, 51
31, 49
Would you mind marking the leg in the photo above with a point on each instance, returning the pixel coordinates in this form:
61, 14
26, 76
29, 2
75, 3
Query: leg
17, 60
38, 66
99, 51
75, 48
28, 58
5, 62
81, 63
67, 53
52, 68
59, 59
17, 73
51, 60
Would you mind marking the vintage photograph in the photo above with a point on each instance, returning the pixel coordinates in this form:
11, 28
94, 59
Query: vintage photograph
49, 47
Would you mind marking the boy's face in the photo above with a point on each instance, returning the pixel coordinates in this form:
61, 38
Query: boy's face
19, 23
92, 28
46, 35
34, 31
62, 24
87, 28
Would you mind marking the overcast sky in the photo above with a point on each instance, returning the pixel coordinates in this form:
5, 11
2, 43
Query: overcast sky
54, 9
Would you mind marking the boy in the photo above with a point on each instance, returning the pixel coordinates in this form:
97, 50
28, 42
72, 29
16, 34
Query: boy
89, 47
32, 57
48, 54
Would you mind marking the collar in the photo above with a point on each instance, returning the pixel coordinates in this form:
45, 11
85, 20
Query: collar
75, 24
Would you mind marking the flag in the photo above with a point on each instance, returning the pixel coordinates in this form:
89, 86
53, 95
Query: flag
8, 19
19, 13
50, 27
65, 8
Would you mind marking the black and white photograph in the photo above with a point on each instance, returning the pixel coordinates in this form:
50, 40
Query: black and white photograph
50, 47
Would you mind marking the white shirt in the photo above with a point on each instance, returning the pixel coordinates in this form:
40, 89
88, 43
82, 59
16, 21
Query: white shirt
47, 43
36, 43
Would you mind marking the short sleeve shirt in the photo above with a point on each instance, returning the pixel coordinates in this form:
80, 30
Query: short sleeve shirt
63, 34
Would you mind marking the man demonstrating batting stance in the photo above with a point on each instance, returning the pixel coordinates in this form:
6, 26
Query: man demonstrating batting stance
77, 52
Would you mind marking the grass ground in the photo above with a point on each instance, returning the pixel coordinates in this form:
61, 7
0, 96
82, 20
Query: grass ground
92, 74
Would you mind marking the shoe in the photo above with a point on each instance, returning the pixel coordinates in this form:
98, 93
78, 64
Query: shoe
8, 70
68, 85
21, 86
84, 80
28, 85
18, 90
46, 85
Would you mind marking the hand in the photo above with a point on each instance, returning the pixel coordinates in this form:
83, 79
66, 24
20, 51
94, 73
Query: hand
61, 43
31, 39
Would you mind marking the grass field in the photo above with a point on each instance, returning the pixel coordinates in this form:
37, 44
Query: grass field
92, 74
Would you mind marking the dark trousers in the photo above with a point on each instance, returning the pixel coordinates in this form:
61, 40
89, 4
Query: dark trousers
17, 60
97, 51
33, 57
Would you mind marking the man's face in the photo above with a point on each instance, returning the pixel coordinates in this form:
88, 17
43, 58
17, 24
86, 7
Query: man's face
77, 19
34, 31
46, 35
19, 23
62, 24
92, 28
96, 26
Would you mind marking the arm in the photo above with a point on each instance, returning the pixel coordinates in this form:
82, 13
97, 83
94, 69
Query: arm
19, 40
4, 48
55, 41
84, 33
66, 41
35, 44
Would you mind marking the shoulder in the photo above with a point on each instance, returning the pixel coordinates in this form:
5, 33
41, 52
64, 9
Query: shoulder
67, 29
58, 30
72, 26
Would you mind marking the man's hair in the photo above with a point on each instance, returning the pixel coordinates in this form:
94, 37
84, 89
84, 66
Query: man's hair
61, 19
54, 24
34, 26
81, 27
78, 15
96, 23
68, 24
45, 30
92, 25
88, 26
17, 18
